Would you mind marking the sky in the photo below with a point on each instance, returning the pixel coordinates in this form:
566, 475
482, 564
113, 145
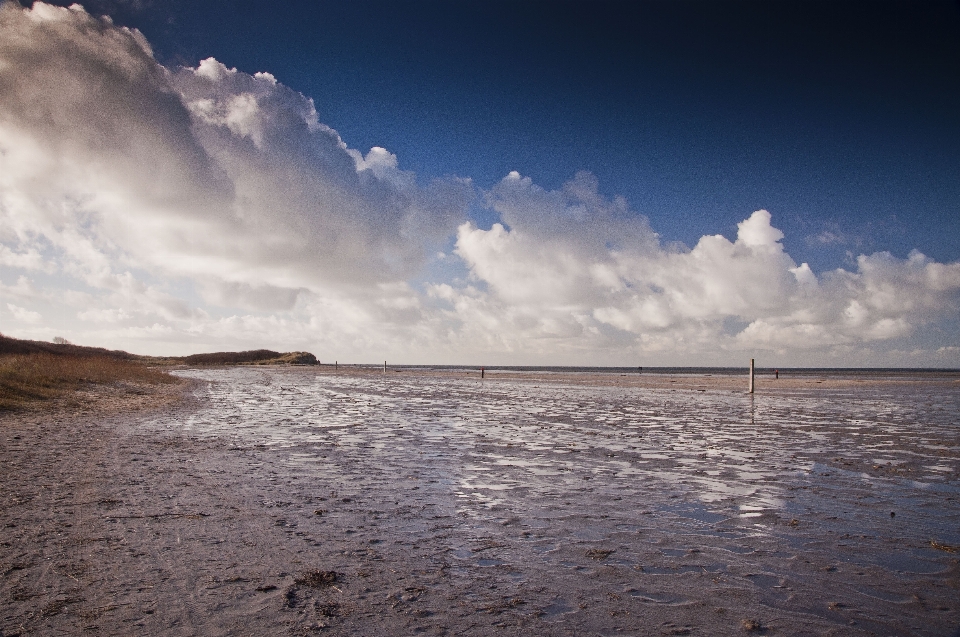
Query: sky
576, 183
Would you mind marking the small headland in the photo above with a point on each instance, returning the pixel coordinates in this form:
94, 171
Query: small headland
252, 357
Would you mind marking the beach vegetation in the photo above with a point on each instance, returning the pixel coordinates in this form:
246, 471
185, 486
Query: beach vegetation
27, 379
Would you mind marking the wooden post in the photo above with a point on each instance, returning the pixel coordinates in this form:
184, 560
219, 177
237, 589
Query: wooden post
336, 365
384, 367
751, 375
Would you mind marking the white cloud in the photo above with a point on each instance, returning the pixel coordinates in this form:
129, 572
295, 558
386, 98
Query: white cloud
22, 289
545, 278
29, 259
112, 315
24, 315
110, 162
213, 70
174, 210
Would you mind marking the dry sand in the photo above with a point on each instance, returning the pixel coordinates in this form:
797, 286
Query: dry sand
299, 501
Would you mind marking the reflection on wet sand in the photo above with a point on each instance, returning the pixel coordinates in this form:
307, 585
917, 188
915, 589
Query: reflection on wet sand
807, 506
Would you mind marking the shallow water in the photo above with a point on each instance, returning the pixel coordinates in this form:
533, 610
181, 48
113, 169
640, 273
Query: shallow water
828, 504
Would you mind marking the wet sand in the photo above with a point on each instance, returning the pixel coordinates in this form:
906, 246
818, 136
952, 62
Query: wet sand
303, 501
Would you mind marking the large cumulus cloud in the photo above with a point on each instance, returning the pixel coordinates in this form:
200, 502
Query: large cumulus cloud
570, 270
111, 161
178, 209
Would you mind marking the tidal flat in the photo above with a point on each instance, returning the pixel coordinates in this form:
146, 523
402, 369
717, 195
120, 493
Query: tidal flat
303, 500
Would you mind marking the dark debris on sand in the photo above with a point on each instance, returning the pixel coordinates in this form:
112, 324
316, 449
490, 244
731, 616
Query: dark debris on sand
318, 579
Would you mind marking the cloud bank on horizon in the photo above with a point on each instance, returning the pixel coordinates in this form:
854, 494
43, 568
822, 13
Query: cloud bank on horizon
180, 210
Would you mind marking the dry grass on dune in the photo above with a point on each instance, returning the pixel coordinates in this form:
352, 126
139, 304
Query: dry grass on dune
27, 378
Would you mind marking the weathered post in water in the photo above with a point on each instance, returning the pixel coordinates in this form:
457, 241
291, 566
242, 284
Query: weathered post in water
384, 367
751, 375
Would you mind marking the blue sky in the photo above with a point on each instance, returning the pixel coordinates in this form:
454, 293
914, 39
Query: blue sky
645, 121
838, 117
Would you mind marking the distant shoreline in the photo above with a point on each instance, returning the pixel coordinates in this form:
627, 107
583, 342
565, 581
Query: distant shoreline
727, 371
733, 380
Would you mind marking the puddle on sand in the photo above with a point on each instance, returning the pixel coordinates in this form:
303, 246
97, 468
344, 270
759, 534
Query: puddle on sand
672, 480
656, 598
557, 609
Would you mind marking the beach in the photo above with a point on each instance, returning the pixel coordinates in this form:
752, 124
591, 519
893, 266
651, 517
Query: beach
308, 500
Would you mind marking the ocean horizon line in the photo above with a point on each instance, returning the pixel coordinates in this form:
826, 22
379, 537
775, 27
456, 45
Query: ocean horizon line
675, 369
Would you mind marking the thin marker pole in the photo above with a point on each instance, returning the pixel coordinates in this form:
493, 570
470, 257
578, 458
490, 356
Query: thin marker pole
751, 375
